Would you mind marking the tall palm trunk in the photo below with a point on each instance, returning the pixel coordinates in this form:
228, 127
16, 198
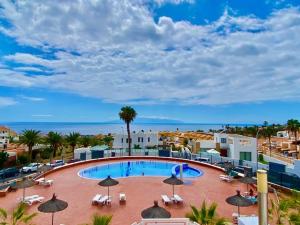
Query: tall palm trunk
270, 146
129, 139
29, 153
54, 151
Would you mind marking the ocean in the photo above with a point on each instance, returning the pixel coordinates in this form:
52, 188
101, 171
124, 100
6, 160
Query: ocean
105, 128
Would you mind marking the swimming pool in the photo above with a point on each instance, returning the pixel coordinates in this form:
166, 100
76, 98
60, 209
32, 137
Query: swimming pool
138, 168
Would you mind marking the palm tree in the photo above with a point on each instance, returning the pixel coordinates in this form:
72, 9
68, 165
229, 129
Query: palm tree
128, 114
278, 211
108, 140
18, 216
206, 215
55, 140
294, 217
286, 210
72, 139
268, 132
30, 138
85, 141
251, 131
293, 126
101, 220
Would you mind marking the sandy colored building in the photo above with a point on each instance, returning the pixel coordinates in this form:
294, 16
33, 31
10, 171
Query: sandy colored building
5, 135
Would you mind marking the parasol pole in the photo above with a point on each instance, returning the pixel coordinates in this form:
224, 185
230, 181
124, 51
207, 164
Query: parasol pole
173, 190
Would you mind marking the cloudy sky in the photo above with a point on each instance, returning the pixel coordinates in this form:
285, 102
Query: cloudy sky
190, 60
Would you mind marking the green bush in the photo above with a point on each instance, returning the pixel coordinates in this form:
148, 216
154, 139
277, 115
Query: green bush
3, 158
151, 147
46, 153
23, 159
137, 147
261, 159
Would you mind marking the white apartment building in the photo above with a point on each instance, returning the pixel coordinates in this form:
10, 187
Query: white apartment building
283, 134
236, 146
4, 136
142, 138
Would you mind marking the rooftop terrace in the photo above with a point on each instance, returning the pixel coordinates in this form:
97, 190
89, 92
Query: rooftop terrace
140, 192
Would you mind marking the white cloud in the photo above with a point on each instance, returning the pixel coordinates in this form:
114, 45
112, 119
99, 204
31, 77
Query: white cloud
28, 69
176, 2
124, 56
30, 98
6, 101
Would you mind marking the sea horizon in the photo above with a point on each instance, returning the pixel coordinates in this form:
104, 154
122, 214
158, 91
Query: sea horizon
93, 128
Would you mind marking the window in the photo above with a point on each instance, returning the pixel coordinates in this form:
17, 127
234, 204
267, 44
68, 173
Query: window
138, 139
245, 156
142, 139
148, 139
223, 140
126, 140
122, 140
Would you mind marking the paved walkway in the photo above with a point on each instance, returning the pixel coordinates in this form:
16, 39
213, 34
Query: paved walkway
140, 191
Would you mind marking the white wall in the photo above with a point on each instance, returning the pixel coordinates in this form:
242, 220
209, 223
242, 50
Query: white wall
217, 139
143, 139
209, 144
82, 150
271, 159
296, 169
238, 144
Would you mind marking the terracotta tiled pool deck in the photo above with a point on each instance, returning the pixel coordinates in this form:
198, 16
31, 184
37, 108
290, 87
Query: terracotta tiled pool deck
140, 192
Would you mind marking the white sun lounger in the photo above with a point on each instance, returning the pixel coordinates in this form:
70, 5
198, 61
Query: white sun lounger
28, 198
34, 200
122, 197
40, 180
44, 182
96, 199
226, 178
178, 199
103, 199
165, 199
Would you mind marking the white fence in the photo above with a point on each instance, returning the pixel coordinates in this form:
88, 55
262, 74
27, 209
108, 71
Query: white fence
209, 158
177, 221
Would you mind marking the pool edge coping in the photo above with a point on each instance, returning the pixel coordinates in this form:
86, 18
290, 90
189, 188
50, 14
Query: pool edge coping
127, 158
166, 161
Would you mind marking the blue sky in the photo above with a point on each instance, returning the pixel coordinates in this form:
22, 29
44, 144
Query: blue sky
205, 61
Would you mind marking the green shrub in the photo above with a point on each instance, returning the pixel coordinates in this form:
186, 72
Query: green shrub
46, 153
137, 147
23, 159
3, 158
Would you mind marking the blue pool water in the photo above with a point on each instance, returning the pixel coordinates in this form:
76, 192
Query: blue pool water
138, 168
